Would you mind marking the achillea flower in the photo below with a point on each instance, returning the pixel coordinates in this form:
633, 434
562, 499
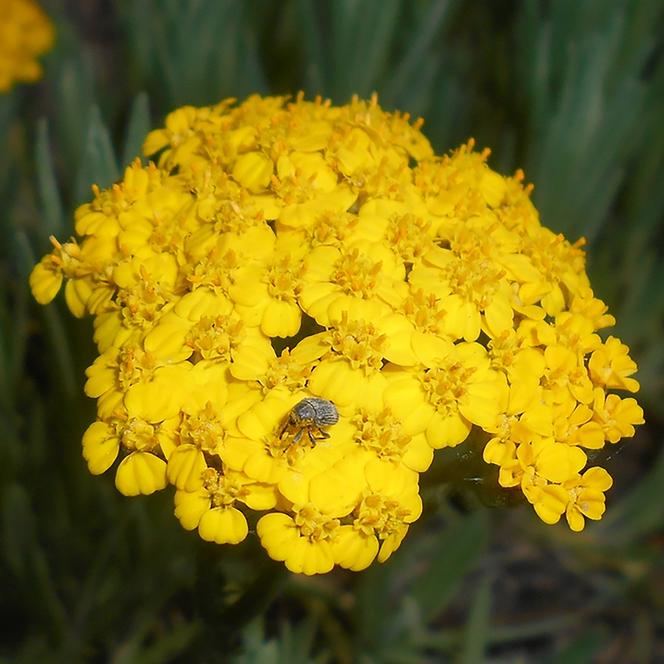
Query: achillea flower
286, 252
25, 34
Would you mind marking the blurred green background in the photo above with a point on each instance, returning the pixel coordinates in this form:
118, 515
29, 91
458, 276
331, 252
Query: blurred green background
570, 90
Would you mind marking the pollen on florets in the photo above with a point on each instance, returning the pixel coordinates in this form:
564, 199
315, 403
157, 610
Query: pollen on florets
287, 252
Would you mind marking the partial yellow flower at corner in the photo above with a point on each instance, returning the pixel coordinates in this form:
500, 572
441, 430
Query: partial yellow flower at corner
25, 34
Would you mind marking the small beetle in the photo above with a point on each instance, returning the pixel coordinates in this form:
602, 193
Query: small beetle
310, 415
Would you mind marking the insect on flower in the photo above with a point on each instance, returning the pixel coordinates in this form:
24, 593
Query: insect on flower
310, 416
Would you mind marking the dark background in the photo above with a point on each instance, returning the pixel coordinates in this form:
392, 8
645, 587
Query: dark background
573, 92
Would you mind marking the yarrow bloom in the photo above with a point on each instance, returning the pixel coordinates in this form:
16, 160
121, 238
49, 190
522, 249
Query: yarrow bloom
25, 34
284, 252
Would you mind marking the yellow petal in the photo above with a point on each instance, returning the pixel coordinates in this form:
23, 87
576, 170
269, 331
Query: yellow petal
558, 462
407, 401
162, 397
598, 478
391, 543
499, 315
44, 283
100, 447
253, 170
250, 363
185, 467
294, 486
108, 404
259, 496
575, 519
107, 329
338, 490
398, 347
77, 293
447, 431
429, 348
501, 453
208, 383
310, 558
167, 339
278, 534
418, 455
353, 549
281, 319
591, 503
336, 381
223, 525
202, 302
551, 503
190, 507
266, 416
140, 473
100, 375
264, 468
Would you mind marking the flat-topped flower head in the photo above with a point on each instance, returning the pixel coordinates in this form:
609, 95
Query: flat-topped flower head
298, 304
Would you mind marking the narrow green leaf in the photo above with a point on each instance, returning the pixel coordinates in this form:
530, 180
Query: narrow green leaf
8, 105
412, 62
168, 646
583, 119
384, 23
361, 37
52, 215
7, 108
223, 60
137, 128
46, 597
476, 634
18, 332
581, 650
17, 529
256, 648
99, 165
315, 73
6, 377
73, 94
459, 548
297, 642
448, 640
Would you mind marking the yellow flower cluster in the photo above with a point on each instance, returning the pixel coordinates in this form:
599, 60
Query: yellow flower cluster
287, 251
25, 33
